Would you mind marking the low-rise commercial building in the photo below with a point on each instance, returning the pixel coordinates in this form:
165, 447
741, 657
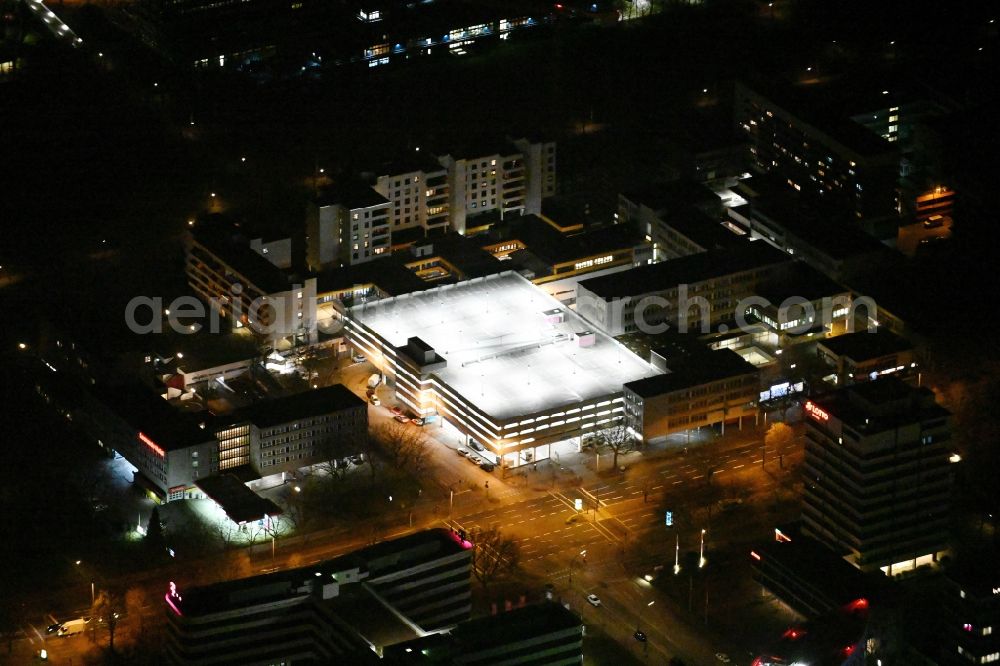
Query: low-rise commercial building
713, 387
877, 475
696, 292
863, 356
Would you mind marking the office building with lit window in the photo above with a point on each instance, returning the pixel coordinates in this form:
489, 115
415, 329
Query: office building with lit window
877, 475
713, 387
288, 433
822, 156
347, 225
971, 632
502, 362
863, 356
704, 289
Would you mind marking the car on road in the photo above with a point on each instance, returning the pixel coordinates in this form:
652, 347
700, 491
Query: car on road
723, 657
477, 446
639, 636
487, 466
72, 627
462, 452
401, 418
374, 400
416, 420
396, 410
593, 600
934, 221
53, 628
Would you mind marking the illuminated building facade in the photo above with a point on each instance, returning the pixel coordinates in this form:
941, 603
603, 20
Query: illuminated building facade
972, 610
348, 225
877, 475
863, 356
418, 191
710, 388
501, 361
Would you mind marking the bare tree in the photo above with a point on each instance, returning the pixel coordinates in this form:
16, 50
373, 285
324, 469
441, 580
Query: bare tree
494, 556
618, 440
135, 601
108, 609
405, 445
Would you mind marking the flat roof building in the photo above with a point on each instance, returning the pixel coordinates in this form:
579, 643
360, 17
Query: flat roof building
508, 365
864, 355
877, 475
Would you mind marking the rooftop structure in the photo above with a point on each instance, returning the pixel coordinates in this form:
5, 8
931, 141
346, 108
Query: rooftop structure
502, 349
241, 504
299, 406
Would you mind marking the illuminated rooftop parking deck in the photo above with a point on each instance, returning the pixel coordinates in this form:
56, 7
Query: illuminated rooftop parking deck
511, 349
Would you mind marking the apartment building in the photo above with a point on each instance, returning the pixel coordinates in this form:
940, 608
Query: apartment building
347, 225
242, 286
710, 388
419, 193
822, 156
696, 292
676, 230
877, 475
506, 178
971, 631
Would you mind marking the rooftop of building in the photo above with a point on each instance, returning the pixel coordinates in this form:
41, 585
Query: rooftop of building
703, 229
143, 409
488, 633
685, 270
672, 195
241, 504
233, 249
832, 232
503, 353
390, 275
691, 370
876, 406
410, 550
800, 281
866, 345
287, 409
189, 353
409, 161
477, 146
828, 106
977, 572
352, 193
819, 568
553, 247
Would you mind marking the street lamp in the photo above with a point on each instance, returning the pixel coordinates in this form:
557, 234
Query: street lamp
677, 554
701, 554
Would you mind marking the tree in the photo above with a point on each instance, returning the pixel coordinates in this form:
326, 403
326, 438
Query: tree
154, 534
135, 601
494, 556
618, 440
778, 436
108, 609
405, 445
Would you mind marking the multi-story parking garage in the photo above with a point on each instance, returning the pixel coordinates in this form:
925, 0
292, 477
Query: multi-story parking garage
500, 360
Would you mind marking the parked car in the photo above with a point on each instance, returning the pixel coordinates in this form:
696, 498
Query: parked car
934, 221
487, 466
462, 452
358, 358
723, 657
639, 636
53, 628
358, 459
477, 446
401, 418
594, 600
416, 420
374, 400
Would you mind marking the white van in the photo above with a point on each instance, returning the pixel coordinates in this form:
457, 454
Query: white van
77, 626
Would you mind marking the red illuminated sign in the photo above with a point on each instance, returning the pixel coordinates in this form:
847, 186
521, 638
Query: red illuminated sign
152, 445
814, 410
172, 597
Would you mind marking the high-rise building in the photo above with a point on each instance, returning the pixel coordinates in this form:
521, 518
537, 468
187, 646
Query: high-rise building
877, 475
418, 190
350, 224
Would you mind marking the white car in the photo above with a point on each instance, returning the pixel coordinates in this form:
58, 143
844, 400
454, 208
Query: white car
593, 600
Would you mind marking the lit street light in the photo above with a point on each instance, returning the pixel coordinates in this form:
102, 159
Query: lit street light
677, 554
701, 554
